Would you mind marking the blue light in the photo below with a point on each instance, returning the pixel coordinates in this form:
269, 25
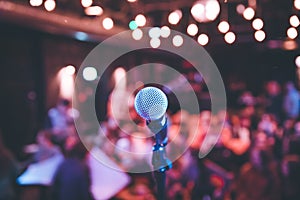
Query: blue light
81, 36
133, 25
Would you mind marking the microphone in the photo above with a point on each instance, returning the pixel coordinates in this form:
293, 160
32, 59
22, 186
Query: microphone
151, 104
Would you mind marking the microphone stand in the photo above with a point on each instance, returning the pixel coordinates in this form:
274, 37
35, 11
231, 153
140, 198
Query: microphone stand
160, 161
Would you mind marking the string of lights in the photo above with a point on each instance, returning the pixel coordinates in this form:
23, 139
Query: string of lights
200, 13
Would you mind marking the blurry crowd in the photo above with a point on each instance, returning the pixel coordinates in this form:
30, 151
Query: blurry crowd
67, 175
255, 156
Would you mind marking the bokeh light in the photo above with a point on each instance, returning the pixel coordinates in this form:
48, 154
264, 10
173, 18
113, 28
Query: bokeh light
292, 33
249, 13
294, 21
297, 4
192, 29
108, 23
140, 20
205, 10
36, 2
297, 61
132, 25
137, 34
230, 37
203, 39
154, 32
258, 24
50, 5
240, 8
259, 35
89, 74
70, 70
174, 17
223, 26
177, 40
86, 3
94, 11
155, 42
165, 31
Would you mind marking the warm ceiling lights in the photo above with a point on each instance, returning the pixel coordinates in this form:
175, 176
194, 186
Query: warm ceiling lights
258, 24
297, 61
205, 10
86, 3
292, 33
260, 35
223, 26
93, 11
294, 21
36, 2
203, 39
248, 13
192, 29
108, 23
140, 20
174, 17
230, 37
69, 70
50, 5
297, 4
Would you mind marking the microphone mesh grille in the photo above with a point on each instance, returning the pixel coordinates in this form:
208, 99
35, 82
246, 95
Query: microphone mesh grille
150, 103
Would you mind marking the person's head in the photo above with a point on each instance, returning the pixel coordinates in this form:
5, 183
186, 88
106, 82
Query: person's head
246, 122
260, 139
235, 120
273, 88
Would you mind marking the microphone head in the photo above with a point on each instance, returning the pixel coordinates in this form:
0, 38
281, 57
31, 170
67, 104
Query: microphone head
151, 103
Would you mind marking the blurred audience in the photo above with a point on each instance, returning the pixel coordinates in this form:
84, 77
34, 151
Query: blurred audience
256, 155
